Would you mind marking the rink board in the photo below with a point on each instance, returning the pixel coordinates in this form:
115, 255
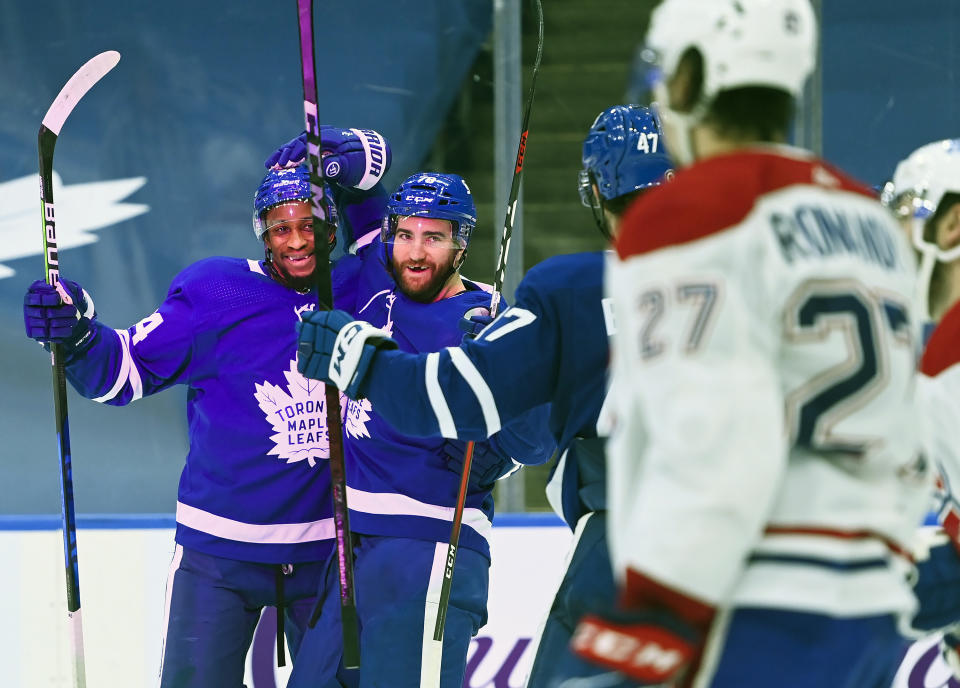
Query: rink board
123, 569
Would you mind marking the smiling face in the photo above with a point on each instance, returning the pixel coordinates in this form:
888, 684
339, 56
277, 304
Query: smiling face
289, 237
424, 255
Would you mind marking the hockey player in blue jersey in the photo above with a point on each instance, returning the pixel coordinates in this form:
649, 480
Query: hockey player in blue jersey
254, 517
550, 346
401, 490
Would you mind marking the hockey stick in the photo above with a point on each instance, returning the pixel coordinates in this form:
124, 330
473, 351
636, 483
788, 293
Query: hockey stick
321, 252
78, 85
447, 583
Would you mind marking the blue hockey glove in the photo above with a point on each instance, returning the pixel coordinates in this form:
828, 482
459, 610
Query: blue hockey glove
474, 320
937, 587
351, 157
60, 314
486, 467
336, 349
290, 154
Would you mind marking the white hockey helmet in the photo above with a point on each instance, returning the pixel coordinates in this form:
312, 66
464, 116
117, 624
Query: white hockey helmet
922, 178
769, 43
919, 184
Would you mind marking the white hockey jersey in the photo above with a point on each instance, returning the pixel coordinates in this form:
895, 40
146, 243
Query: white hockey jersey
939, 394
765, 449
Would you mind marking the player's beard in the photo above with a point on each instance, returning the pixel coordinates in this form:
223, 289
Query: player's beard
424, 292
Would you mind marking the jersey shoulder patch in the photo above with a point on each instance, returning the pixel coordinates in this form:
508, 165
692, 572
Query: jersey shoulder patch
942, 350
717, 194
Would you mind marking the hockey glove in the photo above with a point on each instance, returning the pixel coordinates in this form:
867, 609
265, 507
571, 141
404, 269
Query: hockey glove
651, 648
336, 349
950, 649
654, 637
473, 322
937, 587
60, 314
487, 466
351, 157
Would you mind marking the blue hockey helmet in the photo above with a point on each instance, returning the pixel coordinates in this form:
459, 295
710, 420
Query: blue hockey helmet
624, 151
434, 195
291, 184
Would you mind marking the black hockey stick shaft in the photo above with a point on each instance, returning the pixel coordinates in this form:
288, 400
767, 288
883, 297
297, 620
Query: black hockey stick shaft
321, 251
76, 87
454, 542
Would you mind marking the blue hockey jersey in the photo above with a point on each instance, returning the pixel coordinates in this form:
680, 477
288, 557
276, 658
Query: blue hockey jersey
255, 486
551, 346
398, 484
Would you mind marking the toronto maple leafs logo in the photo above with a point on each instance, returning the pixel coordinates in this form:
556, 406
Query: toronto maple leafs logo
298, 417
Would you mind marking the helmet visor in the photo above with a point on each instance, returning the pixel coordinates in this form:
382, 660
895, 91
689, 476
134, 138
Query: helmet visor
431, 232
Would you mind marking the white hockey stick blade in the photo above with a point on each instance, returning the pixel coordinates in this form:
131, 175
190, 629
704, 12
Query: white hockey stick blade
82, 81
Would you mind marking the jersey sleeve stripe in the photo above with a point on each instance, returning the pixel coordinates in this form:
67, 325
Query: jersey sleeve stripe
126, 361
484, 396
437, 400
136, 384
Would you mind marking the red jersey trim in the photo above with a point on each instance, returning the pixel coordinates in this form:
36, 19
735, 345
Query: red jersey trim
943, 348
717, 194
840, 535
642, 592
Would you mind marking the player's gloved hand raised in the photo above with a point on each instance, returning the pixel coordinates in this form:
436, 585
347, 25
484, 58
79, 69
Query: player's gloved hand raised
652, 648
351, 157
60, 314
486, 467
335, 348
474, 320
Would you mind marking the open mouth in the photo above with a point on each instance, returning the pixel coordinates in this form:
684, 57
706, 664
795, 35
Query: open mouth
297, 264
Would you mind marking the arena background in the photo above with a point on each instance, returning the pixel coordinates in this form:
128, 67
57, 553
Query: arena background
157, 166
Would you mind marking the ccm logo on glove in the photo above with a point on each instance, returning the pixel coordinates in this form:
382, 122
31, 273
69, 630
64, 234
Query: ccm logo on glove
646, 653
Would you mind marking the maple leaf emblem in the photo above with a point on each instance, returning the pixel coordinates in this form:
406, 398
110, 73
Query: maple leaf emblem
298, 417
356, 415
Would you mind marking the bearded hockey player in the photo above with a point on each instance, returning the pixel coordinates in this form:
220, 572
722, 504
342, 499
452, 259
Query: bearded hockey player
551, 346
402, 489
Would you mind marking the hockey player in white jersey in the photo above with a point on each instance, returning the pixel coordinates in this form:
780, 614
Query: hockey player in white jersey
925, 196
764, 474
